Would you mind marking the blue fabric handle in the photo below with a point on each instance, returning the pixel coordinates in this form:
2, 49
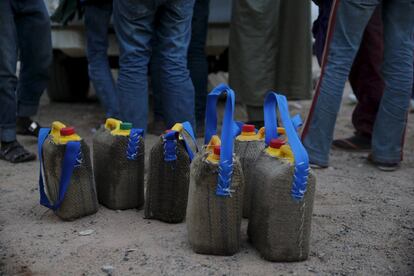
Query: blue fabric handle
133, 143
189, 129
301, 173
68, 164
211, 113
228, 132
170, 146
170, 138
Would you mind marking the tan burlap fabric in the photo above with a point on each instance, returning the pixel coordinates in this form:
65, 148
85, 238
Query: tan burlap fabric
167, 186
80, 199
248, 151
119, 181
213, 222
279, 227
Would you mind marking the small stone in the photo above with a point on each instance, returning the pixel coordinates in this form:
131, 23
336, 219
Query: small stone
86, 232
131, 250
108, 269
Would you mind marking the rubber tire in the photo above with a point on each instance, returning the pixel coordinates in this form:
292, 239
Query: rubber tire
69, 80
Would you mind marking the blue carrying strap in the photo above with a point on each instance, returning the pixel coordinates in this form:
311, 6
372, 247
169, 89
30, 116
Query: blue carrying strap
170, 138
170, 146
189, 130
133, 143
228, 132
301, 173
211, 113
68, 164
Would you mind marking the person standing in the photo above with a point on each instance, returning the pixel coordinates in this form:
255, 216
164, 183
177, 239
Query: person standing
137, 24
24, 33
344, 38
197, 65
365, 75
97, 19
270, 49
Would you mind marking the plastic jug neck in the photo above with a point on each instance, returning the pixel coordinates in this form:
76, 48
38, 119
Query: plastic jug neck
123, 130
248, 133
68, 134
214, 157
279, 149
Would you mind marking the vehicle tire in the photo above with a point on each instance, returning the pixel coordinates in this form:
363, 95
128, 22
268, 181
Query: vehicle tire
69, 81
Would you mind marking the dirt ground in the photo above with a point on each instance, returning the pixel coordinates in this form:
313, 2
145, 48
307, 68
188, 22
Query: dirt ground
363, 221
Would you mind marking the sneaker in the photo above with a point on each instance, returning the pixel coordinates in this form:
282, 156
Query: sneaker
386, 167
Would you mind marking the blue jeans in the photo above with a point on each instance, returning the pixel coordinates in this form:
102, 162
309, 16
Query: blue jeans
137, 24
97, 19
24, 32
197, 64
351, 19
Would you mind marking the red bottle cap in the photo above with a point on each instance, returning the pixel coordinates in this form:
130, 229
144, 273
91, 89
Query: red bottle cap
248, 128
276, 143
67, 131
216, 150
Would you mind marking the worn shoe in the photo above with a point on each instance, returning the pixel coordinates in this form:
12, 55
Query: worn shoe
386, 167
356, 143
26, 126
15, 153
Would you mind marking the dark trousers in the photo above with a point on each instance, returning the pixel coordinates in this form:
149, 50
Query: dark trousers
24, 33
365, 76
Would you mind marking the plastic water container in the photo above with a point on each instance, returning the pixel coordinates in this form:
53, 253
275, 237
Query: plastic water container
215, 198
247, 146
169, 175
69, 188
118, 158
283, 193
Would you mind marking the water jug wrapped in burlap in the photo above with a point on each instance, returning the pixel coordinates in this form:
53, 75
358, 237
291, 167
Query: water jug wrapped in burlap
118, 159
169, 175
65, 161
247, 146
283, 193
215, 197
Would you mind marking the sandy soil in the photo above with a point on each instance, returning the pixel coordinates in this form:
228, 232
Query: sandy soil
363, 222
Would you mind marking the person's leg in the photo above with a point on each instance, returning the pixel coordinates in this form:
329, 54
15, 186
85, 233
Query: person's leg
320, 27
365, 77
35, 49
10, 150
8, 79
344, 37
368, 86
157, 127
133, 23
173, 35
197, 59
97, 18
390, 124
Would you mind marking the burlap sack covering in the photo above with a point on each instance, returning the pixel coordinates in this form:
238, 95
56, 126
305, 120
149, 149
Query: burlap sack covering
248, 152
279, 227
213, 222
167, 186
80, 199
119, 181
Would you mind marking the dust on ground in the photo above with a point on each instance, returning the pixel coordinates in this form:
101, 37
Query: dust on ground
363, 221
